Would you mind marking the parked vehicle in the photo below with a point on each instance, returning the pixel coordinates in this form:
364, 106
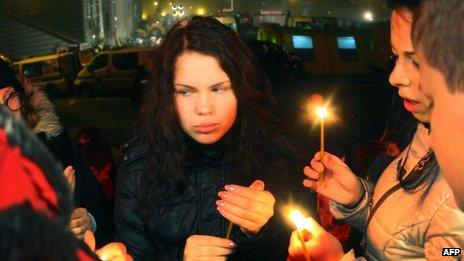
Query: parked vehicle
230, 21
277, 63
112, 71
53, 73
304, 22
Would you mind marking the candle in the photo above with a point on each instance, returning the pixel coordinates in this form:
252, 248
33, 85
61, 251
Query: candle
229, 229
301, 223
322, 114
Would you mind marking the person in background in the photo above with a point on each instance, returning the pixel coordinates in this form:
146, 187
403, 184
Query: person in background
33, 106
338, 229
97, 153
389, 150
140, 87
36, 202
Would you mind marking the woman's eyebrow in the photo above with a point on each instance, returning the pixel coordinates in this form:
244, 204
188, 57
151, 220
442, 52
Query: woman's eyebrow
192, 87
184, 85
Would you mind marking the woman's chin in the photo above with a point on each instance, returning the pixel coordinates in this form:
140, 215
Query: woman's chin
424, 118
206, 139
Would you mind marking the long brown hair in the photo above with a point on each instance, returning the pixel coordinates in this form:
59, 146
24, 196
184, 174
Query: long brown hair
255, 132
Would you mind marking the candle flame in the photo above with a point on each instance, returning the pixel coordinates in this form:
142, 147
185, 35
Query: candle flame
322, 112
297, 218
301, 222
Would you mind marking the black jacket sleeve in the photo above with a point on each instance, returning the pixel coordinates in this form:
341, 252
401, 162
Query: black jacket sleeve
271, 243
130, 228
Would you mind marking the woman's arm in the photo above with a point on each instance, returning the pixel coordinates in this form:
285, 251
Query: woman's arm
129, 227
355, 215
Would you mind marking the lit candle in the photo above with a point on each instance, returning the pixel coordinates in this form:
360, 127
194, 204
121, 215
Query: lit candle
301, 223
322, 114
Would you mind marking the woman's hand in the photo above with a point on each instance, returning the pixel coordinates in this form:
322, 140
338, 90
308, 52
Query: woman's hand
80, 222
319, 244
208, 248
114, 252
339, 184
69, 174
248, 207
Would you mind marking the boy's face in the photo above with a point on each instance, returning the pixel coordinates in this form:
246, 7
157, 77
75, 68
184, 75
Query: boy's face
447, 126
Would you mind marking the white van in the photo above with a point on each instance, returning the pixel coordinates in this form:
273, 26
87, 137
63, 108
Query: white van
53, 73
112, 71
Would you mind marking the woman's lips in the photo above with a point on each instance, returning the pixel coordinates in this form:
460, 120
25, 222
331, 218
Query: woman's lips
205, 128
411, 105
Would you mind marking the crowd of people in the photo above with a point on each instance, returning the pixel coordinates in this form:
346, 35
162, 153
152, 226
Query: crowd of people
210, 169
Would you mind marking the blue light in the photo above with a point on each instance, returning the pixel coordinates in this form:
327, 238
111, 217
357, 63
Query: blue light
302, 42
346, 42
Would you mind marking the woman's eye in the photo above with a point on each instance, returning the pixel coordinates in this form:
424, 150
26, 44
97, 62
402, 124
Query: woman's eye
220, 89
184, 92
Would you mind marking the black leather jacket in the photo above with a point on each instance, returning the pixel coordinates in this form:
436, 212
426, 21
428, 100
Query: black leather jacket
193, 212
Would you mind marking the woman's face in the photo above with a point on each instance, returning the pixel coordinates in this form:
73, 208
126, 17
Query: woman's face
11, 101
405, 75
205, 102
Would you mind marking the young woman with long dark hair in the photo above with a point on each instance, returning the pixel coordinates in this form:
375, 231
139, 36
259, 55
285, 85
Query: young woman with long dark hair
208, 152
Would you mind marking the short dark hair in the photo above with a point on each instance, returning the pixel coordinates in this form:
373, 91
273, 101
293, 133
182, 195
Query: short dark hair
8, 76
438, 30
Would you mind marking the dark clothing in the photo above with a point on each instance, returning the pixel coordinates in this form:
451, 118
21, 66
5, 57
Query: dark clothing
376, 168
193, 211
87, 192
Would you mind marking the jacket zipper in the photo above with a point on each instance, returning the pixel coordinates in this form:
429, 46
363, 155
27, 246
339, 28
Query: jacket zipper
198, 201
224, 221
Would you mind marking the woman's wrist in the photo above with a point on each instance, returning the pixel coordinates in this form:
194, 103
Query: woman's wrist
358, 199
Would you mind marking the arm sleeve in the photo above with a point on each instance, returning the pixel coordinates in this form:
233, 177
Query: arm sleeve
93, 223
129, 226
271, 243
357, 215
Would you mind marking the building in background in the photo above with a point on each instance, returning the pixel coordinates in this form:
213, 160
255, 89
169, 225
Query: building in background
38, 27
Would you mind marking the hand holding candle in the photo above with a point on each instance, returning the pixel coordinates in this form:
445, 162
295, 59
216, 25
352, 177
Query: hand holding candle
301, 224
322, 114
311, 242
317, 107
114, 252
341, 184
202, 247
